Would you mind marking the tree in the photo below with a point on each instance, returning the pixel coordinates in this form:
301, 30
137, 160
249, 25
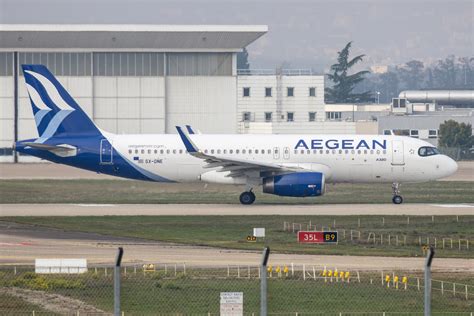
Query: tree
243, 59
412, 73
455, 134
344, 84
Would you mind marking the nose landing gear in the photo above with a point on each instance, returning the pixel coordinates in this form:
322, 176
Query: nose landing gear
247, 197
397, 198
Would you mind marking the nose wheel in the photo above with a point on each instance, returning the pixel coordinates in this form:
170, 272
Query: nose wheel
247, 198
397, 198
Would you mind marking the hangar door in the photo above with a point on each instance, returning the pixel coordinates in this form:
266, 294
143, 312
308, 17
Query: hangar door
397, 152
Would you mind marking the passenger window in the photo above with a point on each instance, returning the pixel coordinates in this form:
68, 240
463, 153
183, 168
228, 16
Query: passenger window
296, 151
327, 151
231, 151
174, 151
136, 151
218, 151
243, 151
270, 151
156, 151
237, 151
212, 151
250, 151
143, 151
256, 151
205, 151
167, 151
347, 151
149, 151
129, 151
161, 151
340, 151
225, 151
302, 151
321, 151
378, 152
180, 151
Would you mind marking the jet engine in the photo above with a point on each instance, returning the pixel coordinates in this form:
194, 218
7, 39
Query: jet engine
298, 184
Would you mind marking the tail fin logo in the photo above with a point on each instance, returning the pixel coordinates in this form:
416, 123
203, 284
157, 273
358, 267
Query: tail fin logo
39, 102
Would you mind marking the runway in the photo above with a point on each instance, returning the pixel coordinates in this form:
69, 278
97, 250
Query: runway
21, 244
232, 209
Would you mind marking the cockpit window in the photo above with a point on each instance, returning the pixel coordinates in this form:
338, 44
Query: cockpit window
428, 151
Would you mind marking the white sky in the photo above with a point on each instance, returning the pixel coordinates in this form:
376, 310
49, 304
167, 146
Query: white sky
303, 34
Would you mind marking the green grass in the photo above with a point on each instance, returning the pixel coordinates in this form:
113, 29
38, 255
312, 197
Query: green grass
198, 293
231, 231
119, 191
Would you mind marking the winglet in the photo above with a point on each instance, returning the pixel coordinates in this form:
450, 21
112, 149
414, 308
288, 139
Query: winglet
190, 129
188, 143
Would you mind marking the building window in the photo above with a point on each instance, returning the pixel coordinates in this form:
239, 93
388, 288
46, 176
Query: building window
312, 116
268, 116
401, 132
433, 133
246, 116
199, 64
268, 92
290, 116
290, 92
414, 133
246, 92
312, 91
334, 116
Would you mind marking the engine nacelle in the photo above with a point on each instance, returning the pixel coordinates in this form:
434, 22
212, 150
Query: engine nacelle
298, 184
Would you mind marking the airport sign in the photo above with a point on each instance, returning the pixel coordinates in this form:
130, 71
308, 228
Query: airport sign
317, 237
232, 303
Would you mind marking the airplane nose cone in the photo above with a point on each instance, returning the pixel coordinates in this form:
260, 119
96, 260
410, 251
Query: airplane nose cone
447, 166
452, 166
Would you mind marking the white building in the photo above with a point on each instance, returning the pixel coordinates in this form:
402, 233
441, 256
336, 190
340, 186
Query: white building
128, 78
286, 101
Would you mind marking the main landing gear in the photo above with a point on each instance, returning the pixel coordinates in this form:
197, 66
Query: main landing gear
397, 198
247, 197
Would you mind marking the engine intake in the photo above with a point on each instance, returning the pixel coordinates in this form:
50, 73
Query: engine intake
298, 184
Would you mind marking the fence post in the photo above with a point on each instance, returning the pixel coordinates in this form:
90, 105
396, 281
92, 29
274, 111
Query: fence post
118, 261
263, 281
429, 260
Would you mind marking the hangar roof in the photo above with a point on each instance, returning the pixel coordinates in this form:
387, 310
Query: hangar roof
141, 37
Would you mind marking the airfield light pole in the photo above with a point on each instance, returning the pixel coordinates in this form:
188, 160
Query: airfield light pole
429, 259
263, 281
118, 262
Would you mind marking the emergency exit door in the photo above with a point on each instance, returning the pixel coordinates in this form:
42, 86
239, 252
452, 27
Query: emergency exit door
106, 152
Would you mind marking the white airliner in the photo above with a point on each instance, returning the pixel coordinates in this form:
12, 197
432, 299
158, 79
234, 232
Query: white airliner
285, 165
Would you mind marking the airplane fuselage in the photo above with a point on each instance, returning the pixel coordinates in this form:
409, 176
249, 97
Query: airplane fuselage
342, 158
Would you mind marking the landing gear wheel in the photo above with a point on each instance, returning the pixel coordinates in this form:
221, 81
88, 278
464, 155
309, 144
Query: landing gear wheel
247, 198
397, 199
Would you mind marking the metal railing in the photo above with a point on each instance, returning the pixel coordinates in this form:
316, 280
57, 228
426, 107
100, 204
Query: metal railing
273, 72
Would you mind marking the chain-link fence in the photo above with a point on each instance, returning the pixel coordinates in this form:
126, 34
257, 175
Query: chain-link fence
167, 289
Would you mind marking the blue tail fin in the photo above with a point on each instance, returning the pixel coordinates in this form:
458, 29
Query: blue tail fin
55, 111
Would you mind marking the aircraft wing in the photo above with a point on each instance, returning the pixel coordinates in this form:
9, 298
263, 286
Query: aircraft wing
236, 166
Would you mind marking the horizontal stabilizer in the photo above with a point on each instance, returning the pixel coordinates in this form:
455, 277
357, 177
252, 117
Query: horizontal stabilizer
62, 150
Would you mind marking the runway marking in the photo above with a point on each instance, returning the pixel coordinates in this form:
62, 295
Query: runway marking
453, 205
10, 244
95, 205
